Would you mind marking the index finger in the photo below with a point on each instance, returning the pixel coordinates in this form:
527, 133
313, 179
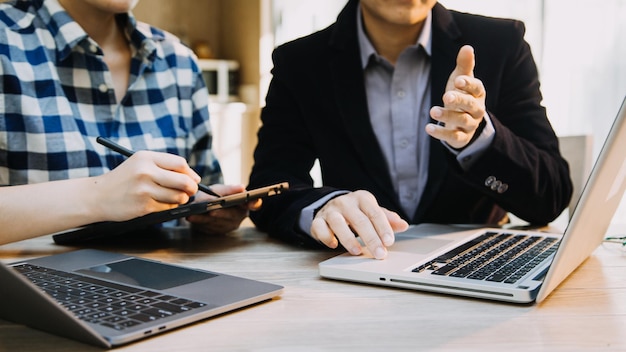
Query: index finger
470, 85
364, 227
370, 222
175, 163
379, 222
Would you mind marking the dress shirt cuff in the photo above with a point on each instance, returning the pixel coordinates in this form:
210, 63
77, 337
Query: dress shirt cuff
307, 214
468, 155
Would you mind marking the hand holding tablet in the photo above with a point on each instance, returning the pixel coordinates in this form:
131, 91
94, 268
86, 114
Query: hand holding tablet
115, 228
105, 229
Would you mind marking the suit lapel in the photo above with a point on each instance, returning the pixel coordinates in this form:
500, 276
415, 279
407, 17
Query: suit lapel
350, 97
445, 46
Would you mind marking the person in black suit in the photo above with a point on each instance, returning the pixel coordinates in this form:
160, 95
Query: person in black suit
416, 114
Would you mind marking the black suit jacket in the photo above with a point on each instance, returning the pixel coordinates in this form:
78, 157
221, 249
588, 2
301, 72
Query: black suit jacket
316, 108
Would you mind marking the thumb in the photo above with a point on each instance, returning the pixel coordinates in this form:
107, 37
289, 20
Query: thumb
464, 65
465, 61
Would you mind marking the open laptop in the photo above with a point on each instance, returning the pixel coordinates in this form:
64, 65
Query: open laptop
108, 299
441, 258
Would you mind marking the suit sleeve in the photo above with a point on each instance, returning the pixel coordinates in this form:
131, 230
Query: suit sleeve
285, 152
525, 153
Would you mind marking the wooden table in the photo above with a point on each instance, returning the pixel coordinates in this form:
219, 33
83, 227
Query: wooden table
587, 312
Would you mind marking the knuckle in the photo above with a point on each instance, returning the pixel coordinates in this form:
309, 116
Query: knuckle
339, 202
334, 218
371, 241
469, 121
373, 213
360, 221
363, 195
319, 230
148, 207
190, 187
142, 191
472, 104
458, 136
181, 198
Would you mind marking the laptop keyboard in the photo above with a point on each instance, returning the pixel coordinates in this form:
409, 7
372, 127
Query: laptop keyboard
493, 256
113, 305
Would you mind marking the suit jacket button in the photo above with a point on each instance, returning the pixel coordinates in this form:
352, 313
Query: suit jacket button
489, 180
494, 186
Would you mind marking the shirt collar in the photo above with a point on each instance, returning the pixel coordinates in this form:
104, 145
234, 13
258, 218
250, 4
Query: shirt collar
68, 34
367, 49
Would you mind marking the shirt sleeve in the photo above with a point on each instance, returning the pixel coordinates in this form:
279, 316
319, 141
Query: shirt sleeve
472, 152
308, 213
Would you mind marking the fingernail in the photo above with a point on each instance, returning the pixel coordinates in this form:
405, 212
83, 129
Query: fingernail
435, 112
355, 250
380, 253
388, 239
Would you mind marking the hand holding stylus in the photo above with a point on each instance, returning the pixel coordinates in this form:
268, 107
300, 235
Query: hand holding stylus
164, 182
128, 153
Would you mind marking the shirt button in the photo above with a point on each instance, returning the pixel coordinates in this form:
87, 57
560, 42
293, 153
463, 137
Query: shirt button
404, 143
401, 94
103, 88
93, 48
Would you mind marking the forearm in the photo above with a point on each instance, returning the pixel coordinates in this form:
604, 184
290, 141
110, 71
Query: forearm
33, 210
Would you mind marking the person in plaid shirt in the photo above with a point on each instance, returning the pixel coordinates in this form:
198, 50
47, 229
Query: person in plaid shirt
75, 70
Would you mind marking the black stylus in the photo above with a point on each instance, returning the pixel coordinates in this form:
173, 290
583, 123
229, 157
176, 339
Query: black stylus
127, 152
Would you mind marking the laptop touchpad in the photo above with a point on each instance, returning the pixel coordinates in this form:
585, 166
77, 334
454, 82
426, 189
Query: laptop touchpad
419, 246
147, 273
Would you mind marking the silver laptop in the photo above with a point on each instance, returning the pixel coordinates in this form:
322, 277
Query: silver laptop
108, 299
494, 263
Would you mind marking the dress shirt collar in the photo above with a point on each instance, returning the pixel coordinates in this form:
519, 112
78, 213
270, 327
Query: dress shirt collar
367, 49
68, 34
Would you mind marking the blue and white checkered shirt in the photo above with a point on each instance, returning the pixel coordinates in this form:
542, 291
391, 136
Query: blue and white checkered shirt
57, 96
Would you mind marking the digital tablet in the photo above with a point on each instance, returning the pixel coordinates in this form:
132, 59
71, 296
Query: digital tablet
105, 229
